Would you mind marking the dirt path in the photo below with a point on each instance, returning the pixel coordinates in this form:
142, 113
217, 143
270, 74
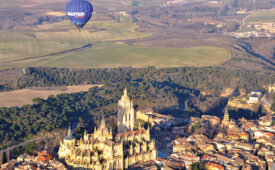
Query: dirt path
51, 54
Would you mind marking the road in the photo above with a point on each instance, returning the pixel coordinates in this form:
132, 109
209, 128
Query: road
26, 142
36, 140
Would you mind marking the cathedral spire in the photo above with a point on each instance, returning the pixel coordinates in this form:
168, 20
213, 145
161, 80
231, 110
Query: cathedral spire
125, 92
148, 122
102, 124
69, 134
148, 128
226, 111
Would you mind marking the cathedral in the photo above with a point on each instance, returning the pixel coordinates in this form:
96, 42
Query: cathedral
103, 150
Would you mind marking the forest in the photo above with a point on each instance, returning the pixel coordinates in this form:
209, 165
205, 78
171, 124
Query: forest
148, 87
207, 78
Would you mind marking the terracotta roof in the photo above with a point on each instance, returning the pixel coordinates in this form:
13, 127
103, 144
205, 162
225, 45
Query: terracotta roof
270, 134
43, 157
215, 165
210, 117
206, 156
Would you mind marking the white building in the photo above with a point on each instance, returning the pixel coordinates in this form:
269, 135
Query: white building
255, 96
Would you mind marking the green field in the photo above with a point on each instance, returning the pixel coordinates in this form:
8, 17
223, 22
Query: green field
261, 16
51, 38
108, 48
135, 56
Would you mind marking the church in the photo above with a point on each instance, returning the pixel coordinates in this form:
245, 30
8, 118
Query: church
103, 150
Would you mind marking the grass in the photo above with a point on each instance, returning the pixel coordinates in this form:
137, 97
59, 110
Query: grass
261, 16
108, 48
108, 55
51, 38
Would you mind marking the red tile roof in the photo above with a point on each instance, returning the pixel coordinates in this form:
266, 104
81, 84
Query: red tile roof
43, 157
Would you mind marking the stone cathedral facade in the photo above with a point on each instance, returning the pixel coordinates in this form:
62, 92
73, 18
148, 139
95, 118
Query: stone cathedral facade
103, 150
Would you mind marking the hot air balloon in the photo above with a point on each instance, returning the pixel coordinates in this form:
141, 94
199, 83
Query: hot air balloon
79, 12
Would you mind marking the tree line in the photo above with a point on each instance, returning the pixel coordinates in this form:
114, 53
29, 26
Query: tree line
207, 78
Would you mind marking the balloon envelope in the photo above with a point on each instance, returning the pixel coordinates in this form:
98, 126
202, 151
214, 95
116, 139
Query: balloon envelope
79, 12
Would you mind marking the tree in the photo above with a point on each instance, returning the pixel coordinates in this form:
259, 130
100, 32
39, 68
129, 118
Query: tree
273, 107
1, 158
8, 154
202, 165
195, 166
198, 166
30, 148
37, 100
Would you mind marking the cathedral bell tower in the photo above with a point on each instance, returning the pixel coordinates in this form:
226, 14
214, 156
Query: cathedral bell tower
125, 114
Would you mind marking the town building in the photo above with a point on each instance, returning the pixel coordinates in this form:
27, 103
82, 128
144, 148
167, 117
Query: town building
211, 121
44, 160
213, 166
43, 157
255, 96
242, 11
266, 120
180, 145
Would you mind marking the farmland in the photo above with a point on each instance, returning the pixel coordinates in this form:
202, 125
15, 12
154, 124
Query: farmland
261, 17
108, 48
25, 96
122, 55
49, 38
120, 33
